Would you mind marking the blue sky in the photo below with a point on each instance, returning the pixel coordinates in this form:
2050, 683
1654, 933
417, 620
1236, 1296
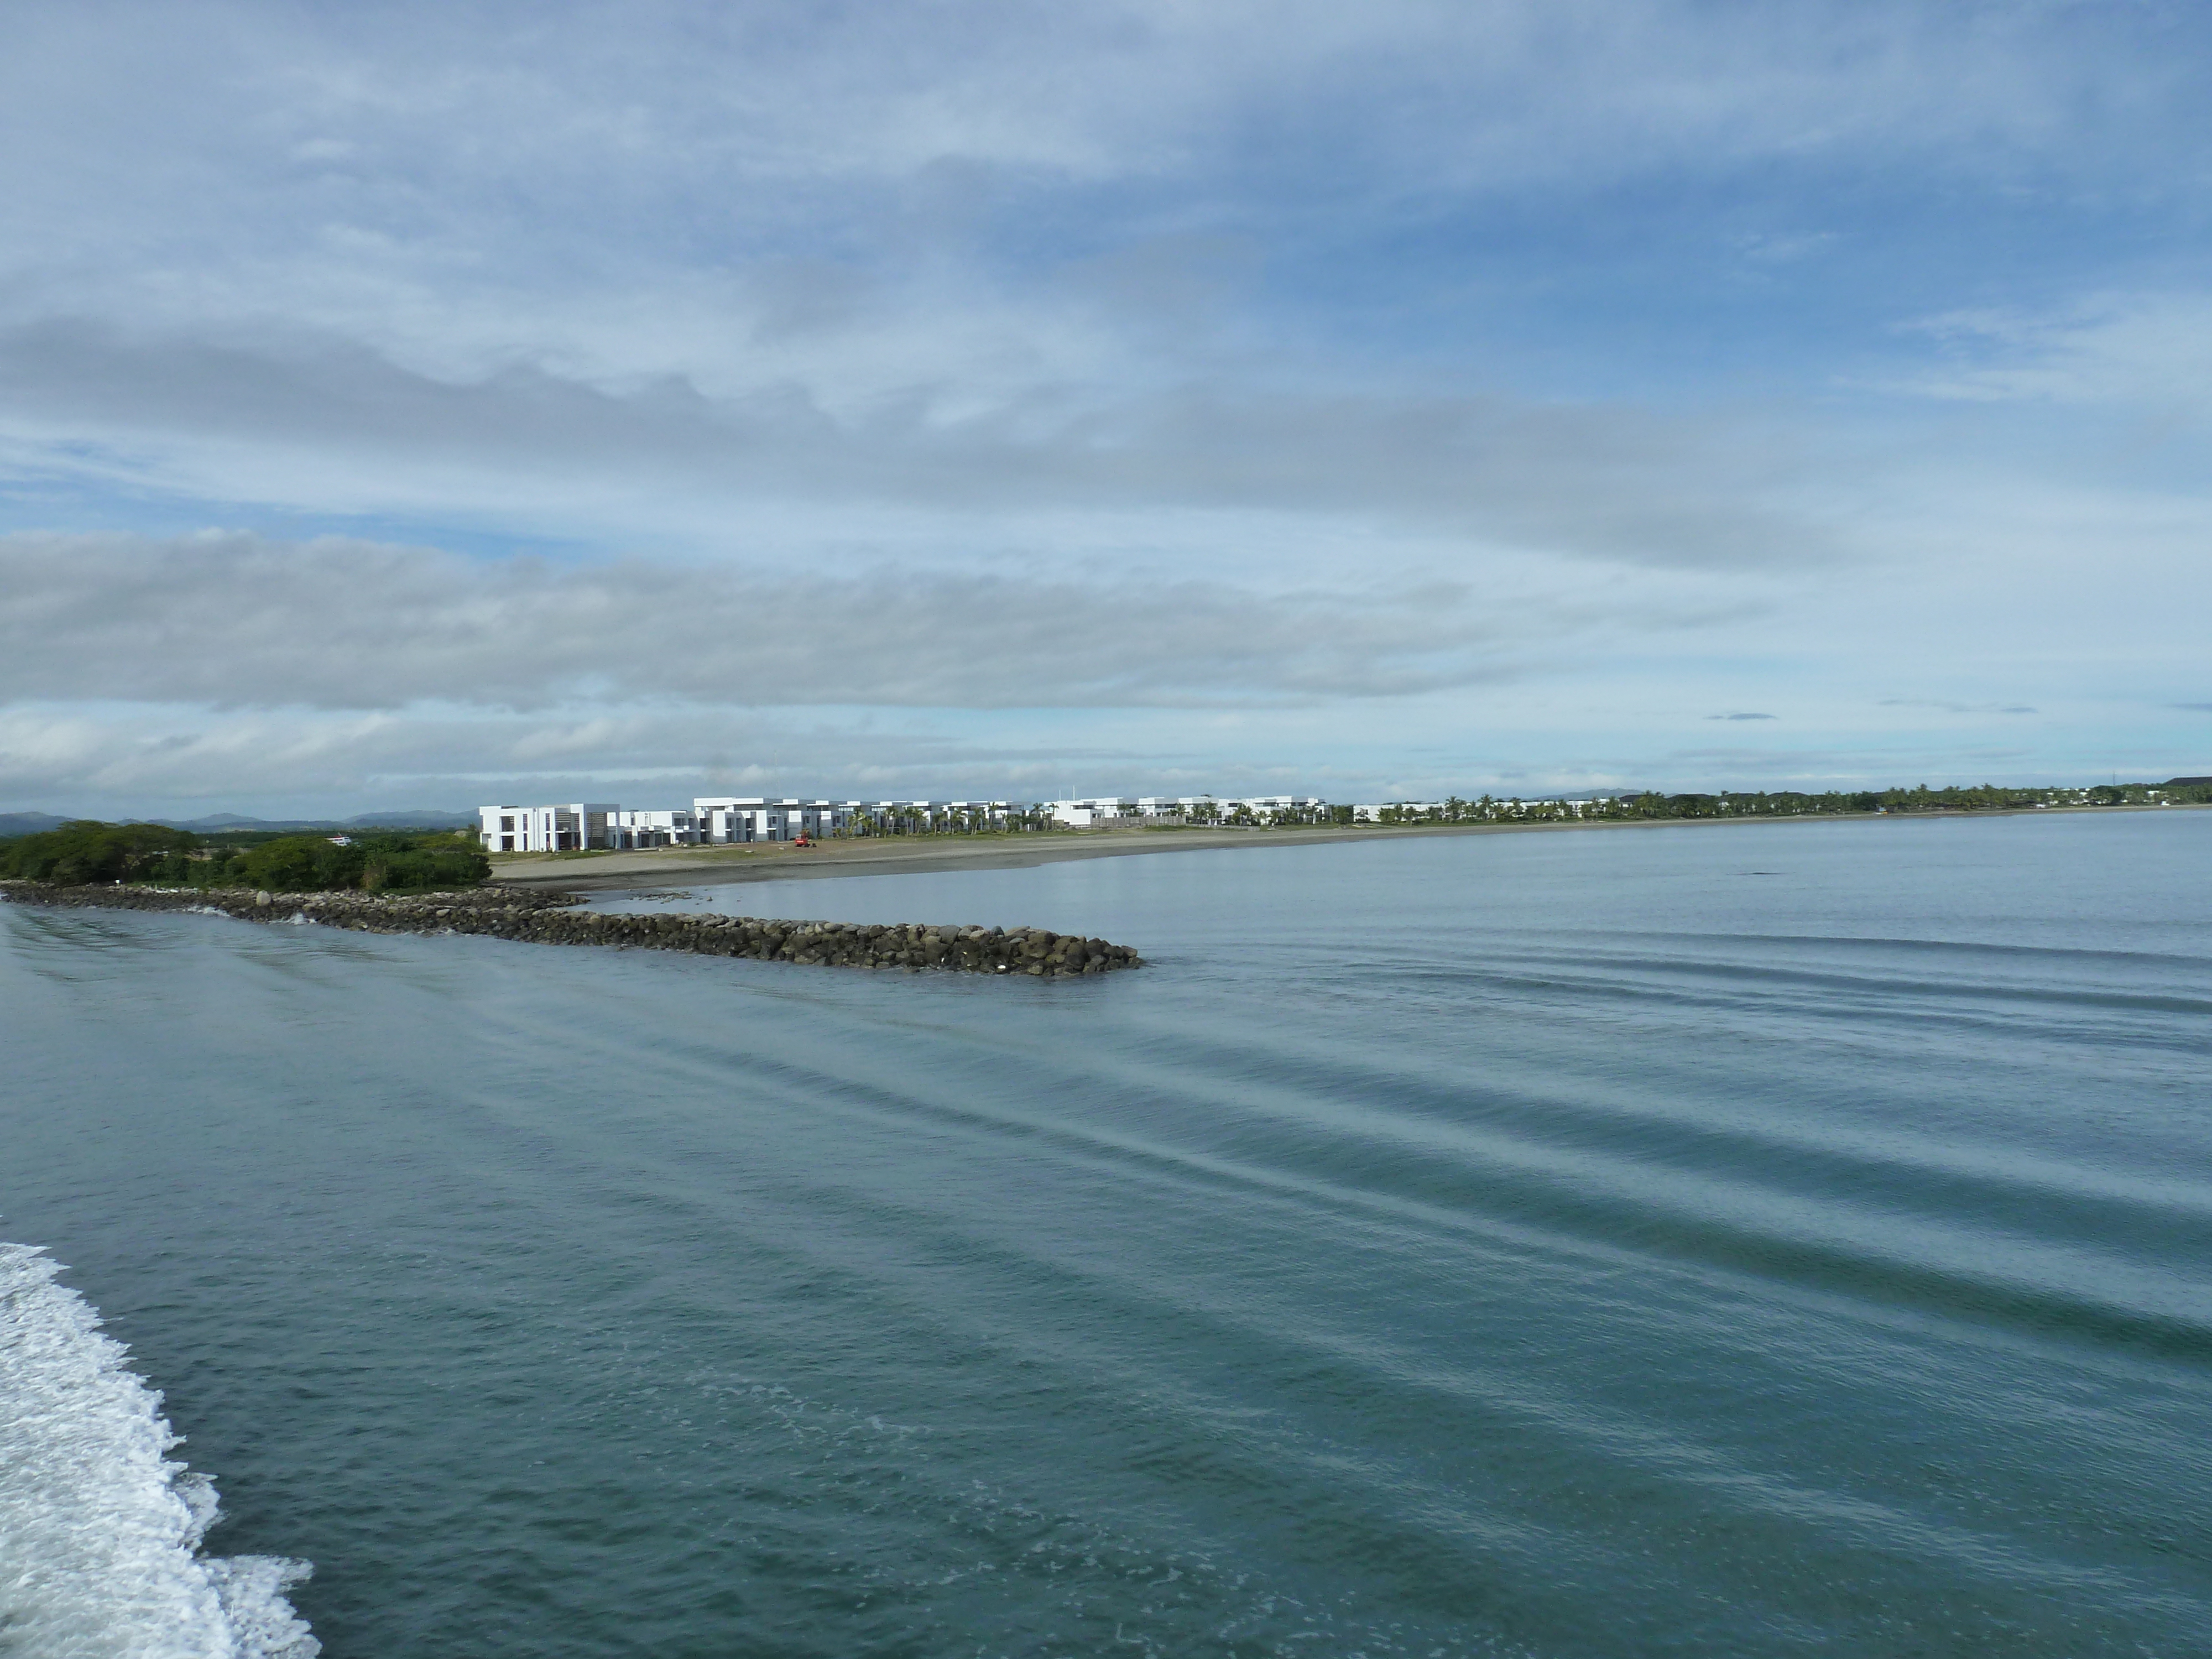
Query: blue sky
411, 405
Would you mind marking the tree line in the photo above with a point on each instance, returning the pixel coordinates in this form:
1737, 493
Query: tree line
88, 851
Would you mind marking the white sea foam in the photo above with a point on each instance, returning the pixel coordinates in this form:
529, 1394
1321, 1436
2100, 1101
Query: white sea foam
100, 1528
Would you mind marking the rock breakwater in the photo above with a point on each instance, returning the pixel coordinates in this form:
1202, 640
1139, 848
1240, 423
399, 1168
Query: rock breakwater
551, 918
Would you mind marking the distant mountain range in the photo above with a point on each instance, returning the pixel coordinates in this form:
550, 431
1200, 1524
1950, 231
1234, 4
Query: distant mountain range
29, 823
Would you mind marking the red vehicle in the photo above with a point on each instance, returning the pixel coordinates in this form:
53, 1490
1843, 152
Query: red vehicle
800, 840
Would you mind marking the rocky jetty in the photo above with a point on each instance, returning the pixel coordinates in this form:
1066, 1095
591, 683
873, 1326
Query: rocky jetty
552, 919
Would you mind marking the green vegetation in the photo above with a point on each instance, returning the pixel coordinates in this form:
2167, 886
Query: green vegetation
89, 851
372, 864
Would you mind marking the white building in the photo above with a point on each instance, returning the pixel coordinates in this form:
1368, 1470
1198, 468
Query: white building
1096, 810
645, 827
1401, 810
544, 828
1092, 809
723, 819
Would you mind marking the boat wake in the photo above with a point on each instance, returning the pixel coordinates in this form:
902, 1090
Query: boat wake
100, 1527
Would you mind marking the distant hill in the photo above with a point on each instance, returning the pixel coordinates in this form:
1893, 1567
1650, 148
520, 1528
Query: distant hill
27, 824
423, 819
2186, 783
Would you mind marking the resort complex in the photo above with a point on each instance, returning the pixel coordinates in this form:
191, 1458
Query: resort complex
724, 820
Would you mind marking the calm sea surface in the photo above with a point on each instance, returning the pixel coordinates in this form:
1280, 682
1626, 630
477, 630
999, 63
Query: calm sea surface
1769, 1240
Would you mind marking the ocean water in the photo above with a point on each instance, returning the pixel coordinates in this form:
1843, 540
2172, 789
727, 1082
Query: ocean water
1754, 1240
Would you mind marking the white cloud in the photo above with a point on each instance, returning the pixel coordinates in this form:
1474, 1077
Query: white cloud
2148, 351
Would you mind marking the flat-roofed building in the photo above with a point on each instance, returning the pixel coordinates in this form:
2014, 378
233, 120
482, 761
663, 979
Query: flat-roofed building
724, 819
569, 829
1092, 810
653, 827
727, 819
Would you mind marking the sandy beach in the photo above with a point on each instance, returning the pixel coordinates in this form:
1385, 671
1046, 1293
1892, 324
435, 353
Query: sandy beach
881, 856
914, 854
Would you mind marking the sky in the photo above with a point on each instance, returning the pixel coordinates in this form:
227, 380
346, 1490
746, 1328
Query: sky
423, 405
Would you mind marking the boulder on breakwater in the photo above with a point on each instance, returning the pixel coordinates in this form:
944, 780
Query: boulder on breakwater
551, 918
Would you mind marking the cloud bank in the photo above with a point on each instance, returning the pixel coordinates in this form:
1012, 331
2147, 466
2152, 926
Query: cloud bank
237, 621
320, 421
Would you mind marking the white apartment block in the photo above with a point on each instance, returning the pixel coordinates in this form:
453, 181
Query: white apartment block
1091, 809
544, 828
724, 819
1371, 811
643, 828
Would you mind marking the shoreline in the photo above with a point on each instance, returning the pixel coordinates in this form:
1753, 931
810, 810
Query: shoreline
719, 866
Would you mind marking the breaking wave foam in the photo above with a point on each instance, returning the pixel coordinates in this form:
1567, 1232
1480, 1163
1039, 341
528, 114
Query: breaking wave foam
100, 1528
